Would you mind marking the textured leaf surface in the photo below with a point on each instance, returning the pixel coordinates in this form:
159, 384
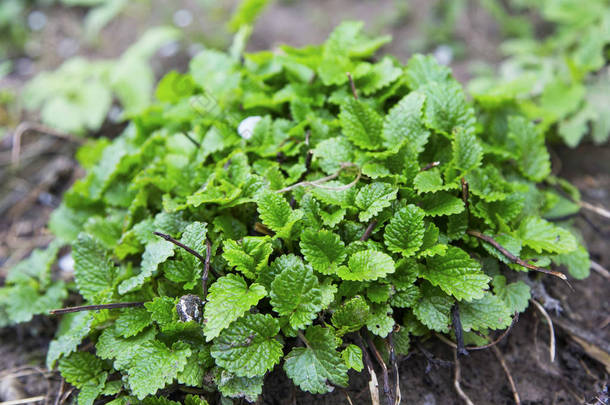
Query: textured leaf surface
434, 308
295, 293
542, 235
367, 265
351, 316
324, 250
352, 356
277, 214
312, 368
457, 274
489, 312
229, 297
248, 347
361, 124
515, 295
405, 232
374, 197
404, 125
156, 253
94, 272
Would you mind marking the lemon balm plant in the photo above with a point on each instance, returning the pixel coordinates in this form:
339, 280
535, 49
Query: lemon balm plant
369, 203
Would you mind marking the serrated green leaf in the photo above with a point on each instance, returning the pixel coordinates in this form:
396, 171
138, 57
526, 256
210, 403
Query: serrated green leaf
351, 316
467, 152
361, 124
248, 347
423, 69
86, 372
229, 297
405, 232
515, 295
441, 203
275, 212
94, 272
72, 330
434, 308
367, 265
374, 197
542, 235
314, 367
352, 357
489, 312
238, 387
406, 298
132, 321
446, 108
155, 365
155, 253
528, 148
380, 321
295, 293
404, 125
324, 250
457, 274
249, 255
577, 262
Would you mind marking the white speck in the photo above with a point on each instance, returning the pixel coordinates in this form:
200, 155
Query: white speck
67, 47
246, 127
66, 264
169, 49
115, 114
37, 20
429, 399
443, 54
183, 18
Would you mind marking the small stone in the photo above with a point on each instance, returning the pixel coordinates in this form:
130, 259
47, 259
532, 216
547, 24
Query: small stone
190, 308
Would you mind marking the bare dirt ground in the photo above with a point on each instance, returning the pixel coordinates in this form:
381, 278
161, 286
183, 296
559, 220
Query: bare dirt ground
581, 367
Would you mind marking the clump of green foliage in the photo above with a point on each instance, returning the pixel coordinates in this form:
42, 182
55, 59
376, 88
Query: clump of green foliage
562, 79
346, 211
77, 97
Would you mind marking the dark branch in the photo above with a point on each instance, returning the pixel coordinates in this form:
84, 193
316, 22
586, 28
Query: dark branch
206, 269
190, 138
459, 332
96, 307
465, 192
482, 347
352, 85
430, 166
369, 230
514, 258
384, 370
182, 245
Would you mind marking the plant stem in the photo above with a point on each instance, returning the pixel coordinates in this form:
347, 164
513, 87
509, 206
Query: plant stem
512, 257
96, 307
352, 85
369, 230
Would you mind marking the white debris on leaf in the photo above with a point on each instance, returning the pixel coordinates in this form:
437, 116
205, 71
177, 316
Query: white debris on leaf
246, 127
66, 264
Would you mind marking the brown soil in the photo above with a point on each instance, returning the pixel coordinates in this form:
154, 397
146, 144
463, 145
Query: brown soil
426, 376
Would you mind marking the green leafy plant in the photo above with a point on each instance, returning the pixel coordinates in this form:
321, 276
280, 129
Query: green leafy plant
77, 97
272, 211
561, 80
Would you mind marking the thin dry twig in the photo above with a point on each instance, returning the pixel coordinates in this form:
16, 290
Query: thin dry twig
369, 230
206, 269
36, 127
60, 392
186, 248
384, 370
601, 270
512, 257
465, 192
29, 400
349, 400
319, 183
601, 211
456, 380
96, 307
459, 332
513, 387
430, 166
352, 85
551, 328
373, 382
394, 366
